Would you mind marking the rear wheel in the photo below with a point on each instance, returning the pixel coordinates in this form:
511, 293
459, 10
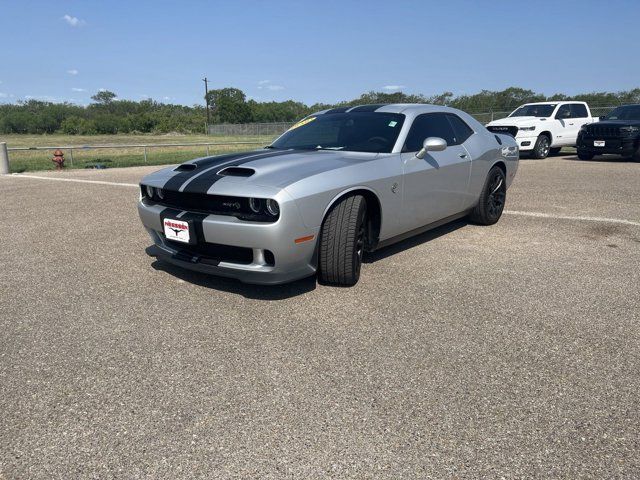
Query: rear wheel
585, 156
342, 242
542, 147
492, 198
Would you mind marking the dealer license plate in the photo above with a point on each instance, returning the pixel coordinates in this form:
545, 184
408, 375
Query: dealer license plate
598, 143
176, 230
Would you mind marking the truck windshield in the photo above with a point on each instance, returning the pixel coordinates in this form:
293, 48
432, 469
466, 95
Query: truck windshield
349, 131
628, 112
545, 110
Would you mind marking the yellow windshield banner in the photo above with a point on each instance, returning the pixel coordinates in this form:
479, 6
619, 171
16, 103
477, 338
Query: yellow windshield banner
301, 123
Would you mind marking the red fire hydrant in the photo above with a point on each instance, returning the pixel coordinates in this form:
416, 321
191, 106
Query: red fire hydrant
58, 159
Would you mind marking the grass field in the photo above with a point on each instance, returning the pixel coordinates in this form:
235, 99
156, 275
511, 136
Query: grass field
30, 160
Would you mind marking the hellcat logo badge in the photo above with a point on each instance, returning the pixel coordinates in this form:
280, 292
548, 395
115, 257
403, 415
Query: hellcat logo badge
394, 187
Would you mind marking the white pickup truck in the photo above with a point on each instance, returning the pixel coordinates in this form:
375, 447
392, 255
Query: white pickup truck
544, 127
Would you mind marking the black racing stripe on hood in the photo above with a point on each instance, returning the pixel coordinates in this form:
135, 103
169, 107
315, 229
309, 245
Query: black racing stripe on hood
175, 182
203, 183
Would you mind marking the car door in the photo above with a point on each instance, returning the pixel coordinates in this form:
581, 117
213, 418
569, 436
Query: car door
435, 186
579, 116
563, 124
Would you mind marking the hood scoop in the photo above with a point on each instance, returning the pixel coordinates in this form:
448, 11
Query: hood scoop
185, 167
236, 172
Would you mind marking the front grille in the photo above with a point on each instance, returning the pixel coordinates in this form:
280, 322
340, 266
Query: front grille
603, 131
513, 131
212, 253
210, 204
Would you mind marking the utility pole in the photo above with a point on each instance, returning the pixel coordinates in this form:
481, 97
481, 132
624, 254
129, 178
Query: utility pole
206, 100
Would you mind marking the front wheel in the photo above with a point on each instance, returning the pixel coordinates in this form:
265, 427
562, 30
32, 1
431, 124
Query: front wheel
492, 198
342, 242
542, 147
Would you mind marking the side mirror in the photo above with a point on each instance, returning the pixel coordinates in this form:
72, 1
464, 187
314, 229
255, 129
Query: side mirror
431, 144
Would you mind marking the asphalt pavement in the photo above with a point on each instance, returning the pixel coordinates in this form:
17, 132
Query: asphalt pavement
510, 351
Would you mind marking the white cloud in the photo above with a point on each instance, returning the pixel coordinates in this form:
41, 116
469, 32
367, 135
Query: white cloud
3, 95
73, 71
75, 89
102, 89
74, 21
393, 88
166, 98
269, 86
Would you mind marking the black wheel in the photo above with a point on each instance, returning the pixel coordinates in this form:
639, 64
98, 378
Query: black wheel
342, 242
585, 155
491, 203
542, 147
555, 150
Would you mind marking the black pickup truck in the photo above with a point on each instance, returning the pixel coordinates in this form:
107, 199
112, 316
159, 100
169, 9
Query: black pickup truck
617, 133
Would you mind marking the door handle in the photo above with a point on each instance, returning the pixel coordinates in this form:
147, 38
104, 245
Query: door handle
571, 124
462, 155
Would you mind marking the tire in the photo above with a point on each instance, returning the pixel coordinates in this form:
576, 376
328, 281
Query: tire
342, 242
636, 156
555, 150
492, 198
541, 148
585, 156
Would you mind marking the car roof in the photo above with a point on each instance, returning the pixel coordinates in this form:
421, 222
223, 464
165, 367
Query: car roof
551, 102
390, 108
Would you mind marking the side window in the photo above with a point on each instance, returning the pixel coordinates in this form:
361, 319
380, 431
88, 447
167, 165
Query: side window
428, 125
578, 110
564, 112
461, 130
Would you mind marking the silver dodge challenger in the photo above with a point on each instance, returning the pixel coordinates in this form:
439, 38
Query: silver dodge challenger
339, 183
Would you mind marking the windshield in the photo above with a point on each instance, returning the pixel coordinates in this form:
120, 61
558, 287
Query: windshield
352, 131
534, 111
629, 112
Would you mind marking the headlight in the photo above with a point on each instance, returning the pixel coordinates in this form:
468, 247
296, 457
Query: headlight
150, 191
160, 193
273, 208
255, 204
527, 129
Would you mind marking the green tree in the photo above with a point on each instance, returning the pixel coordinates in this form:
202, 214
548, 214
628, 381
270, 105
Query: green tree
104, 97
229, 105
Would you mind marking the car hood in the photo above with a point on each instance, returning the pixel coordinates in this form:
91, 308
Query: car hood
516, 121
619, 123
273, 169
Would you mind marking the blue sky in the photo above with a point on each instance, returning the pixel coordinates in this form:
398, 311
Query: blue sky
313, 51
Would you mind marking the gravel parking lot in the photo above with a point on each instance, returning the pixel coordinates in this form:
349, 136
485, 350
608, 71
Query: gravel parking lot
510, 351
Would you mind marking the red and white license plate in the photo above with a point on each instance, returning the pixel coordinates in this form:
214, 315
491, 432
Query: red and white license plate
598, 143
176, 230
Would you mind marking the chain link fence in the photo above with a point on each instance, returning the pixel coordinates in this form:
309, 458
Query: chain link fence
278, 128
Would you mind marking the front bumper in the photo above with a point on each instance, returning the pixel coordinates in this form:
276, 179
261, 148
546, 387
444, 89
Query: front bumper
274, 256
526, 140
624, 146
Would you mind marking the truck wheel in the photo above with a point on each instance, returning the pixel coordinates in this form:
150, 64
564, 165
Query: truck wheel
555, 150
342, 242
585, 156
491, 203
542, 147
